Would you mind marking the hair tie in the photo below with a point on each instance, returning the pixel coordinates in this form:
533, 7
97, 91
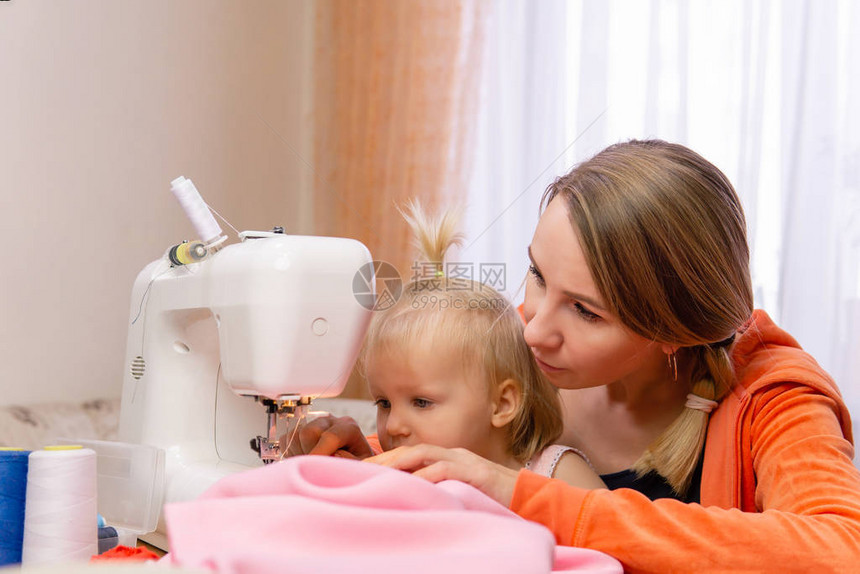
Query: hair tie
724, 343
700, 403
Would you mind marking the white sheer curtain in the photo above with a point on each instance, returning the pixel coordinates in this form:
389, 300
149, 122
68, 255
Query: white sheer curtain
521, 132
769, 91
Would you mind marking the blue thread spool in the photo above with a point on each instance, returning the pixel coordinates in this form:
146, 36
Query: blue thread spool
13, 496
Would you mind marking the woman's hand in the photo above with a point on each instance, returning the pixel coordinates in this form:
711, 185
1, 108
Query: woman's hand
436, 464
331, 436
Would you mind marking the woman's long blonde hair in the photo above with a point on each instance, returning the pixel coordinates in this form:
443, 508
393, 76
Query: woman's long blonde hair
476, 321
664, 235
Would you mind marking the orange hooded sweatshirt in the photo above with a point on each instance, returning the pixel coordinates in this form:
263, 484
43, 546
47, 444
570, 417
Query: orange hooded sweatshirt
779, 491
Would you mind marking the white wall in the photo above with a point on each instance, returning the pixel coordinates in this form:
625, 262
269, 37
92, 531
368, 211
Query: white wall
102, 104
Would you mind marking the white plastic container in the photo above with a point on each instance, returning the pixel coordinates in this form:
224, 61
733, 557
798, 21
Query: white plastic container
130, 486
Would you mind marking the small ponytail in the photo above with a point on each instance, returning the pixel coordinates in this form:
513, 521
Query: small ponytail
432, 237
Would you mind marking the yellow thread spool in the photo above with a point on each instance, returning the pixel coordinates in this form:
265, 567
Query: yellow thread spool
186, 253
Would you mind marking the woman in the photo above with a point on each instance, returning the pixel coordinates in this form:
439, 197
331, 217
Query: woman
640, 305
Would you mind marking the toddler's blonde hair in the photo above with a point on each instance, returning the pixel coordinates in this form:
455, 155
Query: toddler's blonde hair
477, 320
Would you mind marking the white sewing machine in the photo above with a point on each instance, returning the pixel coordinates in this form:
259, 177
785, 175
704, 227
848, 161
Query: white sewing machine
228, 344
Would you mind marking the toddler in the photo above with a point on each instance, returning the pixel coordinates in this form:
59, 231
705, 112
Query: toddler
447, 365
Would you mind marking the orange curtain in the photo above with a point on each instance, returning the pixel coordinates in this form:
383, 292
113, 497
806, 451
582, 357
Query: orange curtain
396, 88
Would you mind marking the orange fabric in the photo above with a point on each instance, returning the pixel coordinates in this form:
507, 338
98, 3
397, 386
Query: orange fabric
397, 86
779, 489
373, 440
125, 554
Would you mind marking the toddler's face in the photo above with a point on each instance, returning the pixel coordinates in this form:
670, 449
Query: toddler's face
432, 399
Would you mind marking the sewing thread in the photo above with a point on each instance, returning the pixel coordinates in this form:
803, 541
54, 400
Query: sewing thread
61, 516
196, 209
13, 489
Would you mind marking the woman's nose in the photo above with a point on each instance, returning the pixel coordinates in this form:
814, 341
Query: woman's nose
540, 330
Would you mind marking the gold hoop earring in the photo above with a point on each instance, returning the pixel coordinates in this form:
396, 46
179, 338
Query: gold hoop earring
673, 365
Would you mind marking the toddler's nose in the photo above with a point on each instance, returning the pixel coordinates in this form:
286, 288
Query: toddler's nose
396, 425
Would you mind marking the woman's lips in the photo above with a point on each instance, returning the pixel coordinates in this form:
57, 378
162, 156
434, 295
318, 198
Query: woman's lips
547, 368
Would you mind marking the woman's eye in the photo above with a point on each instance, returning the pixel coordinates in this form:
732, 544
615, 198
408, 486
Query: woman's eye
382, 404
421, 403
536, 274
585, 313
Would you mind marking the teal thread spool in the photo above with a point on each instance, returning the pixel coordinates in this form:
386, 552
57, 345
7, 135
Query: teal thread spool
13, 496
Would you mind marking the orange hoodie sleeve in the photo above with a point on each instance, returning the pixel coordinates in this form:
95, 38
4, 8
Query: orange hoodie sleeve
373, 441
806, 502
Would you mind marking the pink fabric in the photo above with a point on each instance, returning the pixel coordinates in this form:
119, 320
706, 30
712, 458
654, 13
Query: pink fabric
325, 515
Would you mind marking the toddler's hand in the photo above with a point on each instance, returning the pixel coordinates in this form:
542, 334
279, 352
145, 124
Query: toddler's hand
436, 464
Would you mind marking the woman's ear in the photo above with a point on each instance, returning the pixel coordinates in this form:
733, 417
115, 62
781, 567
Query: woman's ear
669, 349
506, 402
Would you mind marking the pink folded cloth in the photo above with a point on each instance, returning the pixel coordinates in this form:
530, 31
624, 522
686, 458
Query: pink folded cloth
324, 515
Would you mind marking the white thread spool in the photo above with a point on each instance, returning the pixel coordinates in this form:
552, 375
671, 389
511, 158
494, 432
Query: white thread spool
196, 209
61, 513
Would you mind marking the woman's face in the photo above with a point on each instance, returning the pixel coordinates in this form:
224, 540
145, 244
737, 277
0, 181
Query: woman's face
576, 341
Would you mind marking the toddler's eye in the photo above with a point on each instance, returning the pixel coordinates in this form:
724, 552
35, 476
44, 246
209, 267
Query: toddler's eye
421, 403
382, 404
